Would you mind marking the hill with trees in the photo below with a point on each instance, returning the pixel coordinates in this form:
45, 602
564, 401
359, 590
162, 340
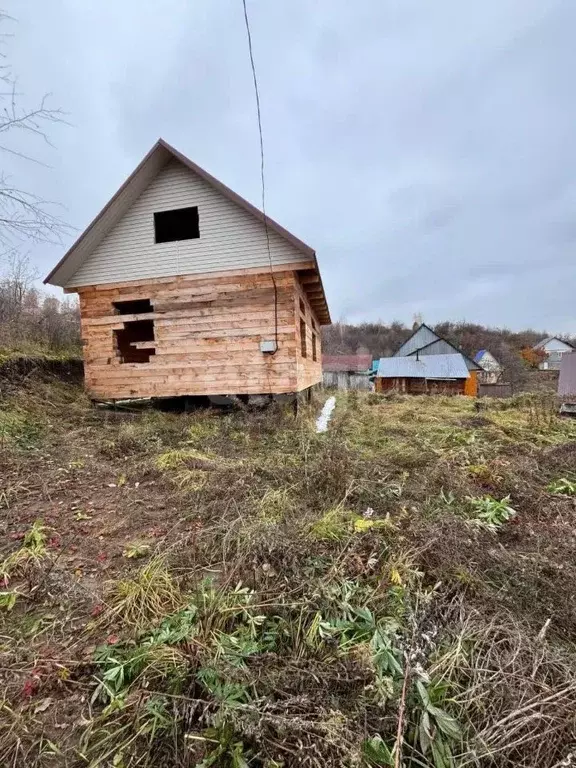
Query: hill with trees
512, 349
383, 340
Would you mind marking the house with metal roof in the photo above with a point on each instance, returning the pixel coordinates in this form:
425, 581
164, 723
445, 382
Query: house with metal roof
426, 342
491, 368
555, 349
423, 374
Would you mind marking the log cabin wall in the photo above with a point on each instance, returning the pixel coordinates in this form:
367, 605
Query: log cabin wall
206, 337
308, 341
413, 386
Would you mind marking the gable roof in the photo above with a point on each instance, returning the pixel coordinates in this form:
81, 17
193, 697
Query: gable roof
357, 363
485, 358
421, 337
417, 343
142, 176
426, 367
544, 342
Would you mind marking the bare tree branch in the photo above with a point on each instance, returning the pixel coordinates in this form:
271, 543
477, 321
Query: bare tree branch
24, 215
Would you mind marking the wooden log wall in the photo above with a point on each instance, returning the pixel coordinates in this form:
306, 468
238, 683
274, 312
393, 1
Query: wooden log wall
308, 368
207, 334
420, 386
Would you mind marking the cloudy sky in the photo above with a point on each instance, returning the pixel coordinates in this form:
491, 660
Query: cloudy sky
426, 150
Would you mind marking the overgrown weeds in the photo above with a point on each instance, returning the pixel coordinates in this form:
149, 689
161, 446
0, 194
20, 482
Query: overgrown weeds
397, 591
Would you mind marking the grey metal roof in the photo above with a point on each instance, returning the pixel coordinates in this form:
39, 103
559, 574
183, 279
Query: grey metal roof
426, 367
443, 347
544, 343
425, 341
420, 338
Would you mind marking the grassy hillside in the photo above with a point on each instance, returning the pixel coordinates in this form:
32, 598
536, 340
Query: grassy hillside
232, 589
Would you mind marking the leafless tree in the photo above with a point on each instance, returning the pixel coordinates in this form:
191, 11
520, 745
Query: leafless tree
514, 370
23, 215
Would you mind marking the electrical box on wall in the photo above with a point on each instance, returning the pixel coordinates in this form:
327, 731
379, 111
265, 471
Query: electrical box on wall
268, 346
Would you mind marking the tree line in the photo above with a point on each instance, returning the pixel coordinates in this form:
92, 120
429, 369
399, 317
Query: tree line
383, 340
32, 319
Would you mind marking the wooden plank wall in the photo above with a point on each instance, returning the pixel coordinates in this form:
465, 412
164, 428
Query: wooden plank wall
207, 338
420, 386
308, 370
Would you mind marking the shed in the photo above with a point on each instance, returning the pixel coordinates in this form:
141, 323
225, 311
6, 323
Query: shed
429, 374
347, 371
186, 288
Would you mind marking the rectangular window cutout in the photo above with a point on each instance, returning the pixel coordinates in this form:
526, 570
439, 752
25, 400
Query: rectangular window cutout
179, 224
302, 307
133, 307
303, 338
131, 341
314, 353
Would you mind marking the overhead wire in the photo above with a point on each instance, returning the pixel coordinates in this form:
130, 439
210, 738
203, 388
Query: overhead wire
262, 175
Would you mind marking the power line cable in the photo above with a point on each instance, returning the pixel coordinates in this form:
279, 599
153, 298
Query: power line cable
262, 178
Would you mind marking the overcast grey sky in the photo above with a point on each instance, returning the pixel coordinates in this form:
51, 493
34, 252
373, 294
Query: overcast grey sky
426, 150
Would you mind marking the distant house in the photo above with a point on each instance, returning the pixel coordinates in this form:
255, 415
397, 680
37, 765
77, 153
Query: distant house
491, 368
555, 349
426, 342
427, 374
347, 371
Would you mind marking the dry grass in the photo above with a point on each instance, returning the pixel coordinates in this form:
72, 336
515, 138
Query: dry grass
146, 598
232, 589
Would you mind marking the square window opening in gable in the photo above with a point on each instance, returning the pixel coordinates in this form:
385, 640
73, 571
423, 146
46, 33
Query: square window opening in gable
131, 341
303, 338
133, 307
178, 224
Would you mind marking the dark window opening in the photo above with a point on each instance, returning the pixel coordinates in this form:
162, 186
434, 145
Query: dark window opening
133, 307
314, 353
179, 224
129, 339
303, 338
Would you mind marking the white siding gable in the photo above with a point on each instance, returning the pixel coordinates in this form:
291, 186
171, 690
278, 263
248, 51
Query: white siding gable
489, 363
230, 237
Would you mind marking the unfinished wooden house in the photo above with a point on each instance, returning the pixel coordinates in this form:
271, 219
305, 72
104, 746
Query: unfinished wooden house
186, 289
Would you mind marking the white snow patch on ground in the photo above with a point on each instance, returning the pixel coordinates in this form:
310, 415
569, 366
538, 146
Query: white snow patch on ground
325, 414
